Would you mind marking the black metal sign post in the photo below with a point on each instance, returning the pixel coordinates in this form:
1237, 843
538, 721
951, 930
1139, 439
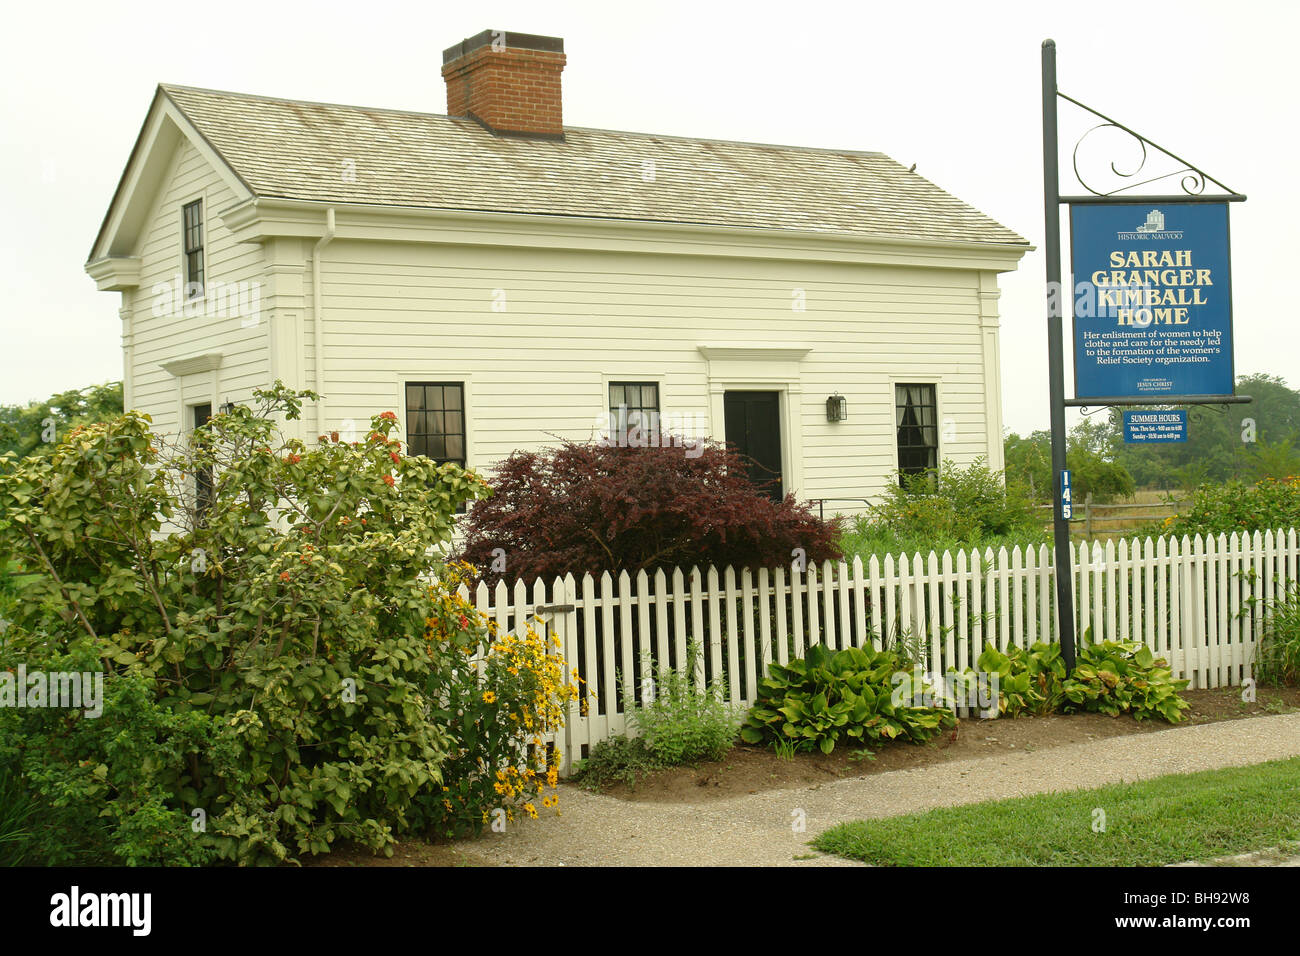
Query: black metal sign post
1193, 183
1056, 358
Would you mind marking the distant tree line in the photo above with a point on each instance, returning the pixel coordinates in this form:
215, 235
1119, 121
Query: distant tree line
37, 427
1224, 443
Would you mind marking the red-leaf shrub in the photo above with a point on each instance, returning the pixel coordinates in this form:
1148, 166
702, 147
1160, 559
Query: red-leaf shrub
593, 507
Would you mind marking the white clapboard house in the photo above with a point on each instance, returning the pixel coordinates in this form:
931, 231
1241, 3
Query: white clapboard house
500, 280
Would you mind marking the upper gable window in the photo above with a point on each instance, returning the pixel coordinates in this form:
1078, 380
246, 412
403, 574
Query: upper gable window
192, 228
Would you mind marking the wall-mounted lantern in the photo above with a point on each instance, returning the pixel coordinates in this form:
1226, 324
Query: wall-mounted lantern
837, 408
226, 408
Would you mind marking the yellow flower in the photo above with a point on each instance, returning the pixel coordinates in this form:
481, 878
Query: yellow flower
489, 697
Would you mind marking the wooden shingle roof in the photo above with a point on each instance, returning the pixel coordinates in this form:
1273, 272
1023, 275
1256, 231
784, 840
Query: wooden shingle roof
346, 154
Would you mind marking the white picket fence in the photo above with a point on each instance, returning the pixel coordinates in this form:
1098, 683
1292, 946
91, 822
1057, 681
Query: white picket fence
1196, 602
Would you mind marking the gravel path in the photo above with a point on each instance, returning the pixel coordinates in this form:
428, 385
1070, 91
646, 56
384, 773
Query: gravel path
757, 830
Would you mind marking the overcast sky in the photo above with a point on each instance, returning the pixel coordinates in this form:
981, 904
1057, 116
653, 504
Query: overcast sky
952, 87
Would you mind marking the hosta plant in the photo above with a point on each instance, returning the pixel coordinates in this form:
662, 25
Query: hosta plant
848, 696
1123, 677
1029, 680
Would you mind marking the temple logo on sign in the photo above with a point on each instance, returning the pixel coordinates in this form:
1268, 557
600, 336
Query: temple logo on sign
1155, 222
1153, 228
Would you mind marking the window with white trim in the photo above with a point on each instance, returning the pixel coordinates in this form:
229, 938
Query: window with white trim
916, 414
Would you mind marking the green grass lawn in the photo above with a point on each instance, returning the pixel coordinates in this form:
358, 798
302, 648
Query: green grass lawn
1171, 819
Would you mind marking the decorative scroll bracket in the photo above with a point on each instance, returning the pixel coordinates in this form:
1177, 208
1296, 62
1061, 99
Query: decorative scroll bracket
1193, 180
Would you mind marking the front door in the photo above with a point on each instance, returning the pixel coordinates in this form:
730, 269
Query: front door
753, 424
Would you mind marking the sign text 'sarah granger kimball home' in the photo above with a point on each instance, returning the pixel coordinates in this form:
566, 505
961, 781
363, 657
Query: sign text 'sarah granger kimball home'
501, 280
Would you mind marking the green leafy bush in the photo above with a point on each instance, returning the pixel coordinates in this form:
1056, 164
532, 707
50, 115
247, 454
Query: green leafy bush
684, 723
37, 427
618, 760
952, 508
1029, 679
264, 661
678, 722
850, 694
857, 694
103, 785
1235, 507
1123, 677
1094, 450
1112, 677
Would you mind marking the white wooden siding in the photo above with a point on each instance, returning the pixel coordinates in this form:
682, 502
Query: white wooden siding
164, 338
575, 320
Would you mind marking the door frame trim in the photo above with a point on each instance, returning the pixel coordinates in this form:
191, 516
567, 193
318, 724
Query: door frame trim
761, 369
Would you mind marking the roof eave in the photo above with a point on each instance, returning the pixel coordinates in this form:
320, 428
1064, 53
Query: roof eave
262, 217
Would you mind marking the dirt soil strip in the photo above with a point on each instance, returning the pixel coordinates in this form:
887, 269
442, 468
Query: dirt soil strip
756, 830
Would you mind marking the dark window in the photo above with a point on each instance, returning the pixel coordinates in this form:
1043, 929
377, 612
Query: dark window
203, 476
916, 411
634, 412
435, 420
192, 227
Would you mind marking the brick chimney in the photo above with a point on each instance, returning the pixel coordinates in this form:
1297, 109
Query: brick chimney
507, 82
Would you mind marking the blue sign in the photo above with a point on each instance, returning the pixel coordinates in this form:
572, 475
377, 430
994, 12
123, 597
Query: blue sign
1152, 300
1067, 497
1143, 428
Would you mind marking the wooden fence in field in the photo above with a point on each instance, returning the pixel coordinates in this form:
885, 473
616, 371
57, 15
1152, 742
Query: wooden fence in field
1199, 603
1092, 520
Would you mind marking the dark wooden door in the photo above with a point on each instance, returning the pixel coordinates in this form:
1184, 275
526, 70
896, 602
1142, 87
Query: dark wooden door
753, 424
203, 476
